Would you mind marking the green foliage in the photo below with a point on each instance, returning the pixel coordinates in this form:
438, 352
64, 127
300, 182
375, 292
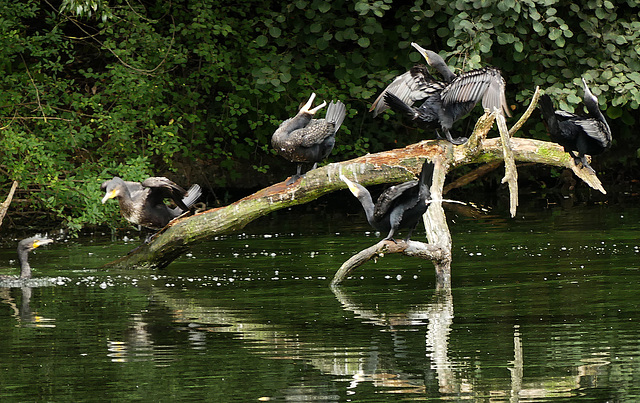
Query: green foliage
96, 89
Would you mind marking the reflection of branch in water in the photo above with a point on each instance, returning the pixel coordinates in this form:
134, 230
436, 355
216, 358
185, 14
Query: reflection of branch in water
437, 340
517, 372
437, 315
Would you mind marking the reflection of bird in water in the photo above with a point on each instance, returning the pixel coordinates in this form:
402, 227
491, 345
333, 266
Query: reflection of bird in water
24, 247
142, 203
588, 134
443, 102
400, 206
304, 139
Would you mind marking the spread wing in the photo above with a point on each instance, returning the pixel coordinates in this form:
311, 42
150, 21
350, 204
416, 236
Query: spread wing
409, 87
594, 129
390, 197
467, 89
162, 188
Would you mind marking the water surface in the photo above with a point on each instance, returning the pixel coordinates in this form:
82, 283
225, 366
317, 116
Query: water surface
542, 307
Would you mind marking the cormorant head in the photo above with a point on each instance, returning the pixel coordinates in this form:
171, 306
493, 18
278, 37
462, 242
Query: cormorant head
436, 61
588, 95
305, 107
30, 244
353, 187
24, 247
112, 188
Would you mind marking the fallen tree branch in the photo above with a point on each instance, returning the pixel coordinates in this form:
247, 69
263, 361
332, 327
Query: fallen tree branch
386, 167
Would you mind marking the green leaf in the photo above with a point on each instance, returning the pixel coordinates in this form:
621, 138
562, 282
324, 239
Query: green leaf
274, 32
614, 112
261, 40
324, 7
364, 42
315, 27
518, 46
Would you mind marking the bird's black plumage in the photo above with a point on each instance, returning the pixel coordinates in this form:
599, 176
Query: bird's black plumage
400, 206
304, 139
580, 135
24, 247
443, 101
142, 203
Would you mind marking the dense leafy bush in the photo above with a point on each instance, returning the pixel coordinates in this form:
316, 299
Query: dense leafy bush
90, 89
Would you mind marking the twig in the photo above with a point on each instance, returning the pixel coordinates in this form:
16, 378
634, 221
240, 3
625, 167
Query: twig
5, 204
35, 87
527, 113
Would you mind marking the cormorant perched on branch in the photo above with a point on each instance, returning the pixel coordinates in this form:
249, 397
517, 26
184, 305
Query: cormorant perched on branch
142, 203
24, 247
303, 139
444, 102
400, 206
588, 134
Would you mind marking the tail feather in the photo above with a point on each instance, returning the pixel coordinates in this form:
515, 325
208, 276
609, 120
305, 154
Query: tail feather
193, 194
396, 103
336, 112
426, 177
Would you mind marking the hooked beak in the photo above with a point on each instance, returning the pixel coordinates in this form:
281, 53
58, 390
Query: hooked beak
305, 108
40, 242
109, 195
422, 50
352, 187
586, 88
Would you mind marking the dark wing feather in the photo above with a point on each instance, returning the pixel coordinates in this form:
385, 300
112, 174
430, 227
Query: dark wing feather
594, 129
464, 92
409, 87
162, 188
387, 200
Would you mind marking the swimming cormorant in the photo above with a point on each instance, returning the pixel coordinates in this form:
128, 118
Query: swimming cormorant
444, 102
588, 134
303, 139
142, 203
24, 247
400, 206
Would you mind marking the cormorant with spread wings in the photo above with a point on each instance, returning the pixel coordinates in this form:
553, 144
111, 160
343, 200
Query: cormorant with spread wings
443, 101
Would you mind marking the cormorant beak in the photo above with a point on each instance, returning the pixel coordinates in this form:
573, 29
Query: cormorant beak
305, 108
586, 88
109, 195
40, 242
422, 51
352, 187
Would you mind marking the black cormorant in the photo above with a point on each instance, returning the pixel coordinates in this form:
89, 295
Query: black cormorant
303, 139
444, 102
400, 206
24, 247
142, 203
588, 134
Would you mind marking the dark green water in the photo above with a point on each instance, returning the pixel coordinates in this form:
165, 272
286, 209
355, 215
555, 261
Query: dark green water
543, 307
